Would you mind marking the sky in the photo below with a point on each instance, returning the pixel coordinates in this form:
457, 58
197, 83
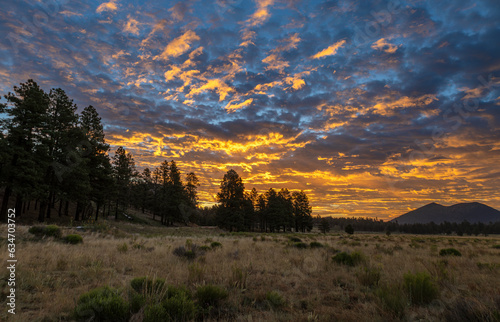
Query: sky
373, 108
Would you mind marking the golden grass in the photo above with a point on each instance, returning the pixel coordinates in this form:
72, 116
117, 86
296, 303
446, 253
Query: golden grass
52, 275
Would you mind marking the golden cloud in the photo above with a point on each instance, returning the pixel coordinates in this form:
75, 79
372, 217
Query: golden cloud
233, 107
179, 45
383, 45
132, 26
332, 50
107, 6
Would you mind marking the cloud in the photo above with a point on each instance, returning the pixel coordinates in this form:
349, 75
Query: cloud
213, 84
383, 45
131, 26
331, 50
261, 14
179, 45
233, 107
107, 6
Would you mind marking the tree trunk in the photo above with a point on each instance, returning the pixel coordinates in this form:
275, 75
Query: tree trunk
28, 208
41, 213
66, 208
5, 203
59, 213
36, 203
19, 205
116, 210
49, 204
97, 211
24, 207
77, 212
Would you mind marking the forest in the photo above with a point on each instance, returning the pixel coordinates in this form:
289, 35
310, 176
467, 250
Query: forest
51, 157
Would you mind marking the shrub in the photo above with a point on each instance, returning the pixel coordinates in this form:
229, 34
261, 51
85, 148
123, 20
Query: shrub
496, 246
53, 231
205, 248
369, 276
145, 285
210, 296
49, 231
315, 244
136, 300
189, 253
393, 299
349, 229
420, 287
102, 304
123, 248
295, 240
215, 245
154, 312
300, 245
73, 239
275, 299
349, 259
449, 252
179, 307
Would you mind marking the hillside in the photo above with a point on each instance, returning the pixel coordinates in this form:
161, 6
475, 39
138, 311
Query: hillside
472, 212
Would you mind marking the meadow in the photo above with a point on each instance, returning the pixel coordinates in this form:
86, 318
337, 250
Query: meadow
259, 277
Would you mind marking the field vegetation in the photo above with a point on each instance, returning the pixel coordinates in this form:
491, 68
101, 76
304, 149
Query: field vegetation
139, 272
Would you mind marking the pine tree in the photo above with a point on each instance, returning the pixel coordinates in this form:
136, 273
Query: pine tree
230, 214
124, 170
302, 212
23, 171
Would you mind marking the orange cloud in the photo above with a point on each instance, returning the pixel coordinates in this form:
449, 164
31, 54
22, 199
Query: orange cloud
332, 50
261, 14
179, 45
132, 26
107, 6
214, 84
233, 107
275, 62
383, 45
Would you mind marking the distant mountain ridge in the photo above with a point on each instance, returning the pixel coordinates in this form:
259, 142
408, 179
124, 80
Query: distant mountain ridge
472, 212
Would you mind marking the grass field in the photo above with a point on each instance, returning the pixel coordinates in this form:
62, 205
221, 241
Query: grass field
268, 277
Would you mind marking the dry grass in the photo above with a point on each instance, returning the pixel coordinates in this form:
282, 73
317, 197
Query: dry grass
52, 275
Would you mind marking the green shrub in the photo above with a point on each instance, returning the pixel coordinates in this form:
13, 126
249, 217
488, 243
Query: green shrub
496, 246
155, 312
179, 307
295, 240
146, 285
449, 252
188, 252
210, 296
352, 259
48, 231
215, 245
300, 245
102, 304
349, 229
73, 239
393, 299
123, 248
136, 300
420, 288
315, 244
275, 300
205, 248
369, 276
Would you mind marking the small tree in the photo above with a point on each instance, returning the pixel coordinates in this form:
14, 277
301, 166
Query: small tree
324, 225
349, 229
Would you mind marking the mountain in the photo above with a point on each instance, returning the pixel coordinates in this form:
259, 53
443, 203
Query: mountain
472, 212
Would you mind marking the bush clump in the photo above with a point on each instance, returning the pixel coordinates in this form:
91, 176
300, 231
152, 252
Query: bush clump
46, 231
210, 296
300, 245
275, 300
315, 244
190, 252
73, 239
102, 304
352, 259
215, 245
369, 276
393, 299
420, 288
146, 285
449, 252
295, 240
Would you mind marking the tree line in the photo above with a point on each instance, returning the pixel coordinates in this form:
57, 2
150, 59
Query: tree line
53, 159
325, 224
